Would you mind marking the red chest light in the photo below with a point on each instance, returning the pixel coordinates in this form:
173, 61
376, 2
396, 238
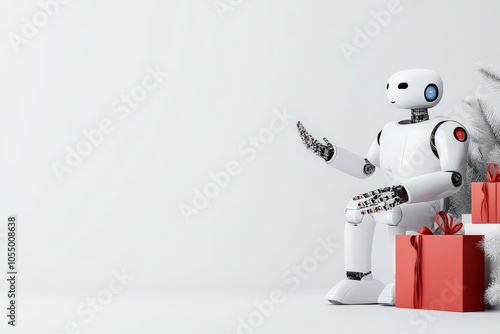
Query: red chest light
460, 134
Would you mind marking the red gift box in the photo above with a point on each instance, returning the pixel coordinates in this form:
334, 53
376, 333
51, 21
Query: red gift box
485, 196
440, 272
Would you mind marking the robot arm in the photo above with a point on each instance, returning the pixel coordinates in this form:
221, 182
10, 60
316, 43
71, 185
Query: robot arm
353, 164
340, 158
449, 143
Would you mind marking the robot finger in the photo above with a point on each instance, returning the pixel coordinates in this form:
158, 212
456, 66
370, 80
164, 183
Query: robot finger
311, 143
372, 193
384, 197
384, 206
303, 134
377, 199
315, 147
327, 142
307, 139
300, 126
302, 130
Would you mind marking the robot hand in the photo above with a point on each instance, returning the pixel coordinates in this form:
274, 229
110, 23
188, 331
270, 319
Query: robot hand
382, 199
323, 150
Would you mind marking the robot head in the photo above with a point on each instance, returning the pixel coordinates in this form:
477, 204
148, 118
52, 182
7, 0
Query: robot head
415, 89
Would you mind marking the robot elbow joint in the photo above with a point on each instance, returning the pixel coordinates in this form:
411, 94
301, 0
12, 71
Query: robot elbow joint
369, 168
456, 179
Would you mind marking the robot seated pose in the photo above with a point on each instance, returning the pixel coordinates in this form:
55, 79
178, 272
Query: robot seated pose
426, 159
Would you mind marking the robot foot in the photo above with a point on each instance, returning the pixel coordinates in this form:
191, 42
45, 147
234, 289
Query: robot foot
354, 292
388, 295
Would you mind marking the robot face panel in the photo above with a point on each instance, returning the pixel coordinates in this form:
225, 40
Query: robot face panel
415, 89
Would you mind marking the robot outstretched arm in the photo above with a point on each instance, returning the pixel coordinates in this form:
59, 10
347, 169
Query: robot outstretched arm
340, 158
450, 144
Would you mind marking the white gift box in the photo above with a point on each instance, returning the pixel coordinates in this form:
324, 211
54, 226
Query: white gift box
483, 229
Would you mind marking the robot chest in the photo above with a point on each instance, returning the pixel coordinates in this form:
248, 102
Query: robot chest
407, 147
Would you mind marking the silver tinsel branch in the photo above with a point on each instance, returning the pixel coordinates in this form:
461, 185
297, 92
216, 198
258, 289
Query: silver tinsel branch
484, 148
492, 293
484, 130
491, 245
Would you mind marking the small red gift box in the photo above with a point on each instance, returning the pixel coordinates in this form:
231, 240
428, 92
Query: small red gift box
485, 197
440, 272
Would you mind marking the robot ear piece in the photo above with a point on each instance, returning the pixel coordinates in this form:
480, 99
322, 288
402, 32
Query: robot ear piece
431, 92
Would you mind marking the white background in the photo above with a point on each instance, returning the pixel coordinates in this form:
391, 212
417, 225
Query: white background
120, 207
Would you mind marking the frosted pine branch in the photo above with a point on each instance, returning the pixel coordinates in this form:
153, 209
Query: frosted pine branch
481, 126
491, 245
489, 76
492, 293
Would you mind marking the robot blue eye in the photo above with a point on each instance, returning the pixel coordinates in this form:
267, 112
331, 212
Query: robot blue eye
431, 93
403, 85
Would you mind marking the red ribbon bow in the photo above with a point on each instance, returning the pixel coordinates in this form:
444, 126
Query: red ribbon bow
447, 227
416, 241
491, 177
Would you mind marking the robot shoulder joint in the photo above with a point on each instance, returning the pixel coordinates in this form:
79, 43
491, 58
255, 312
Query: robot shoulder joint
448, 126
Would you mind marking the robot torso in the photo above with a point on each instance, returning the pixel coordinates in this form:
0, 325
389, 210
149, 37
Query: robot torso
405, 149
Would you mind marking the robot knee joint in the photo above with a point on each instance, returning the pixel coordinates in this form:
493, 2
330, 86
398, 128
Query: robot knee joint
353, 216
394, 216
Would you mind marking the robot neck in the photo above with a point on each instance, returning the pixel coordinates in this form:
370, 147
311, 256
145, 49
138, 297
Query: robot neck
419, 115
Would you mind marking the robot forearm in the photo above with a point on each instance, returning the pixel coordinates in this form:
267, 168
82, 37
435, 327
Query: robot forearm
432, 186
338, 157
351, 163
419, 189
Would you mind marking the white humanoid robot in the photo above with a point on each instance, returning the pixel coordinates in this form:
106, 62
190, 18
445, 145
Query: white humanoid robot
425, 158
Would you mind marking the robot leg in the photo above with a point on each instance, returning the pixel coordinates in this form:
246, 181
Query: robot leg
358, 240
359, 287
